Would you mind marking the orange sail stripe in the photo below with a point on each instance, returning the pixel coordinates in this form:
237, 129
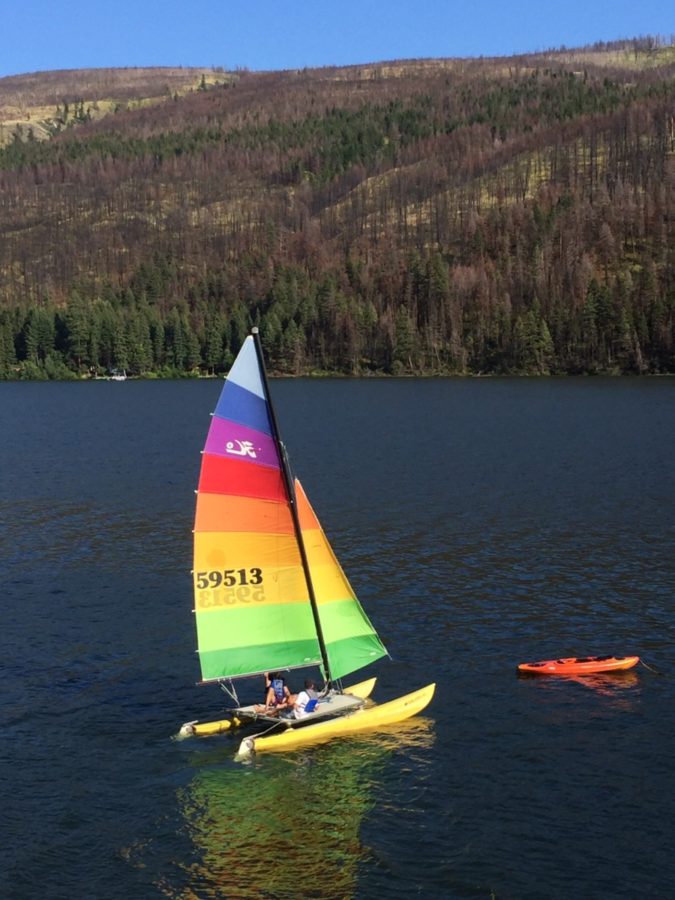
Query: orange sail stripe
222, 512
308, 519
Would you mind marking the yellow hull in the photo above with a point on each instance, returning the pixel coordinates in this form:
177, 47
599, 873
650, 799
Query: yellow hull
364, 719
363, 689
204, 729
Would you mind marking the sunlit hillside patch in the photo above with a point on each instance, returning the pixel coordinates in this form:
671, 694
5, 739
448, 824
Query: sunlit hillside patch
517, 179
626, 58
521, 179
39, 105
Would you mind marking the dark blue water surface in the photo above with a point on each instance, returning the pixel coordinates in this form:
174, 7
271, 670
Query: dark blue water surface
482, 523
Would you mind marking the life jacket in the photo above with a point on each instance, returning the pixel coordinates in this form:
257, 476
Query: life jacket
278, 684
309, 705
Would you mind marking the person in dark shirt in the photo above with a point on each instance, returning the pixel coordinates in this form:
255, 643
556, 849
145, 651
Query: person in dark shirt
278, 696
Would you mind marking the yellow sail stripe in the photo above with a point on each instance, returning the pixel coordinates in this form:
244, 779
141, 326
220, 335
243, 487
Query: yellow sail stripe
279, 586
243, 550
328, 578
232, 568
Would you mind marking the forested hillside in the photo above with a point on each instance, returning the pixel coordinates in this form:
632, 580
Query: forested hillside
438, 216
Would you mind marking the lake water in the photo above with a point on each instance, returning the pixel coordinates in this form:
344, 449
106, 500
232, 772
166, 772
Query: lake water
482, 523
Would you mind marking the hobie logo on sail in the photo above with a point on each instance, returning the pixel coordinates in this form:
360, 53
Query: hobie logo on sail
240, 448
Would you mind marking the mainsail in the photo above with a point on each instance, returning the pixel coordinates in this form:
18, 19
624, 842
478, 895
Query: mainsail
254, 594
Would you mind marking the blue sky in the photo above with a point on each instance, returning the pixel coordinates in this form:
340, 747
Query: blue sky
38, 35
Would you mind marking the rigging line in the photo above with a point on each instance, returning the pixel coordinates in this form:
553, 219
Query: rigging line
273, 726
230, 691
651, 669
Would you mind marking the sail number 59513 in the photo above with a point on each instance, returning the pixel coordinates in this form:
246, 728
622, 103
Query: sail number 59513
227, 577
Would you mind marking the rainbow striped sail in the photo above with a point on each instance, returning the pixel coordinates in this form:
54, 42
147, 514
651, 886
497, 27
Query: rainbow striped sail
269, 592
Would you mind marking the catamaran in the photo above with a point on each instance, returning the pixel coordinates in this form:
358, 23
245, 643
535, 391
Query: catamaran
269, 592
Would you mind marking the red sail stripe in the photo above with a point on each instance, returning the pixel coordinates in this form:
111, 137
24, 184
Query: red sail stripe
220, 475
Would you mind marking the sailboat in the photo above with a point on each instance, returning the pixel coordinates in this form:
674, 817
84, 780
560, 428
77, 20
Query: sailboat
269, 593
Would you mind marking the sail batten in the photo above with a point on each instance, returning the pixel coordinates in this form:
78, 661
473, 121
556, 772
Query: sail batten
269, 593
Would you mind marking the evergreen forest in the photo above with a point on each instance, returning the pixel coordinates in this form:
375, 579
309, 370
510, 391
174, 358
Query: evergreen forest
423, 217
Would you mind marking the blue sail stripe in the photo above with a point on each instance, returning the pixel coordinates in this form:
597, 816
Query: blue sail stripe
245, 408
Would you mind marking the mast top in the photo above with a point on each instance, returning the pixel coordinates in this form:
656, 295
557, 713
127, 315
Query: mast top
254, 330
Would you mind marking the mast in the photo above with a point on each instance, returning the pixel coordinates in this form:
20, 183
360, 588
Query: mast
290, 490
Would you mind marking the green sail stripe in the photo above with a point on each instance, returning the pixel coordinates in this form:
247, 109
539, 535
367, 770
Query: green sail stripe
344, 618
354, 653
351, 640
229, 663
240, 627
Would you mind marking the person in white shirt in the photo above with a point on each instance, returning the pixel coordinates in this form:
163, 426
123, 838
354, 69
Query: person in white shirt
303, 698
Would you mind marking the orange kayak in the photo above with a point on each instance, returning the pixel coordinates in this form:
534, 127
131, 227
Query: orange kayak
582, 665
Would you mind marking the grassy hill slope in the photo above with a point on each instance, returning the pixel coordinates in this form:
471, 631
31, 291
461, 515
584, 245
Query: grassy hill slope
484, 215
44, 103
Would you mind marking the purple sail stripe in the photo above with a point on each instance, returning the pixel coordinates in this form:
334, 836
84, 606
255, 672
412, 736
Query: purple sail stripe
235, 441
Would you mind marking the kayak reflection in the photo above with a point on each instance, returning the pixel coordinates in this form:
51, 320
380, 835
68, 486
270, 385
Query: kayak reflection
619, 691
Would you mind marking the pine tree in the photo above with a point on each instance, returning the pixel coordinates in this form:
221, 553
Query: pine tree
7, 351
213, 350
176, 345
78, 325
193, 357
404, 343
120, 344
139, 344
39, 334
